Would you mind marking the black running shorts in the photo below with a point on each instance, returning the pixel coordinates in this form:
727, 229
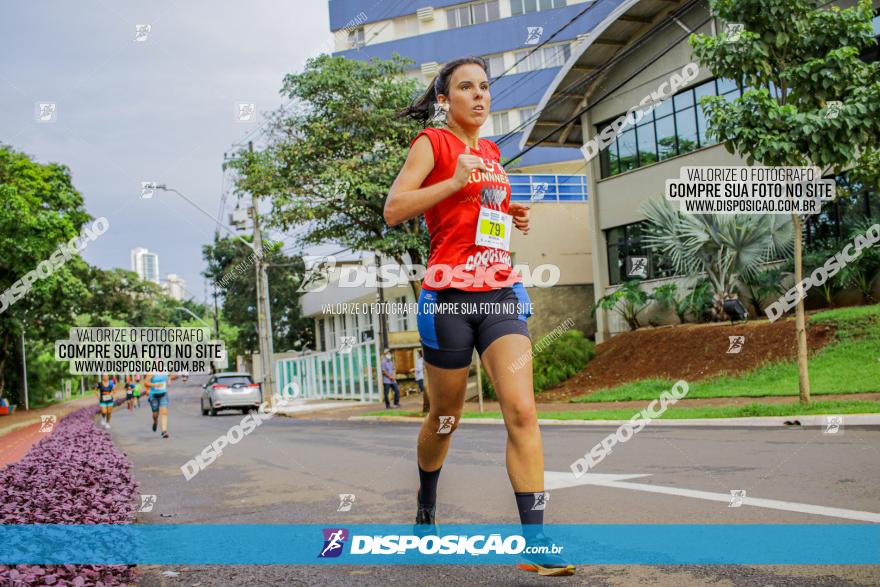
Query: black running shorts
452, 322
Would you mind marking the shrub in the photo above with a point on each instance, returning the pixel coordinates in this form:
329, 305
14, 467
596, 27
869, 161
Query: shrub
73, 476
553, 361
628, 300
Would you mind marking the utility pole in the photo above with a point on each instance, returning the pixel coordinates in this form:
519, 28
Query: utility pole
383, 326
24, 369
264, 317
216, 314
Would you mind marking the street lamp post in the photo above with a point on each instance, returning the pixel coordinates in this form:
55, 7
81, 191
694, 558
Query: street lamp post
165, 188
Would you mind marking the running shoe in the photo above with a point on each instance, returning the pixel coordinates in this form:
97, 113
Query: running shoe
425, 525
107, 426
165, 434
545, 564
154, 425
425, 514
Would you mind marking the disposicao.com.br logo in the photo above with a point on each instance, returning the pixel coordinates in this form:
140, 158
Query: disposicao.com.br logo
449, 544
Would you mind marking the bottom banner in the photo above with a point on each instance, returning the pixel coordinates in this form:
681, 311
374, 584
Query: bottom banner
372, 544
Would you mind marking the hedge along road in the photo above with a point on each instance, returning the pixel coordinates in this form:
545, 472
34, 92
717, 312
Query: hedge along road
291, 471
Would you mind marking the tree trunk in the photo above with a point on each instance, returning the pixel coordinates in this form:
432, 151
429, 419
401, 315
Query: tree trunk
718, 313
800, 315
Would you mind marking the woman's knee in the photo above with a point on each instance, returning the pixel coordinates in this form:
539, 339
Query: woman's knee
521, 416
443, 421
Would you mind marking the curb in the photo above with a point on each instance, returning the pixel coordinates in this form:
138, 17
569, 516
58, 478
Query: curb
13, 427
815, 420
63, 409
325, 407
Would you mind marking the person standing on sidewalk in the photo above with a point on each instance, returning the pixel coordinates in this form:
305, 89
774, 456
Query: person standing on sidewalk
420, 371
389, 380
105, 399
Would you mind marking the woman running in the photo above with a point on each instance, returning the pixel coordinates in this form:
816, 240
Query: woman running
129, 391
136, 391
456, 180
105, 399
157, 385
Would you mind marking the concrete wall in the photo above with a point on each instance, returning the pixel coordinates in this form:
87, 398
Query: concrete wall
553, 306
559, 235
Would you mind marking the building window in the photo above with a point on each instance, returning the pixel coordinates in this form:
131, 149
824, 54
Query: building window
458, 17
469, 14
398, 320
485, 11
518, 7
323, 332
500, 123
676, 126
356, 38
854, 204
626, 241
525, 114
553, 56
495, 63
406, 26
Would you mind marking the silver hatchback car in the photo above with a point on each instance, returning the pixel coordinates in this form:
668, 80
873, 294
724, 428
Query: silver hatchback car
230, 391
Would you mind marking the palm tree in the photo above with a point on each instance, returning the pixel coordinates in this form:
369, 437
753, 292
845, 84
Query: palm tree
726, 247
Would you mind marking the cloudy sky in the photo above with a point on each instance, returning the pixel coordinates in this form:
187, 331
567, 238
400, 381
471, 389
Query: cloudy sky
162, 109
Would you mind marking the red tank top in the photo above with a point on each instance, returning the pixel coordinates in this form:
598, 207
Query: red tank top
452, 222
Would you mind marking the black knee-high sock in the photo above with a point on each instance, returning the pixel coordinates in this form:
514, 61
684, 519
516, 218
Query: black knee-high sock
428, 486
531, 510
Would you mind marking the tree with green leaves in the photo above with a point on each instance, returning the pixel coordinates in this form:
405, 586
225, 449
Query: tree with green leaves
329, 161
807, 98
39, 210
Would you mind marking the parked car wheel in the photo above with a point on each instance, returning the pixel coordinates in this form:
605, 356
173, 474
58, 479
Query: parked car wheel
213, 410
202, 406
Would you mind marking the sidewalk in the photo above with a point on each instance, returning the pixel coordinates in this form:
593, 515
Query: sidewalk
20, 430
764, 421
414, 403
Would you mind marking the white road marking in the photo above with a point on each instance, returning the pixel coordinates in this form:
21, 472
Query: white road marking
562, 480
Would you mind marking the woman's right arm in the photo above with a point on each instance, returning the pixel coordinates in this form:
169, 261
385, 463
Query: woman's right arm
407, 199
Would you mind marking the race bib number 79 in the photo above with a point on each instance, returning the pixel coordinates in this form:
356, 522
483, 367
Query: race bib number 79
493, 229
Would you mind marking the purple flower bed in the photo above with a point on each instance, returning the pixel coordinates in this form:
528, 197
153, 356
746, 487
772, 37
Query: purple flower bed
73, 476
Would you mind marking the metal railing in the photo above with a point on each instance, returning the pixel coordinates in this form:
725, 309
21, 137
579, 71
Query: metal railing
548, 188
354, 375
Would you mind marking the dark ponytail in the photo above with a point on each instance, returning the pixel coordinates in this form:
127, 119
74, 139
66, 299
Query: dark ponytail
423, 108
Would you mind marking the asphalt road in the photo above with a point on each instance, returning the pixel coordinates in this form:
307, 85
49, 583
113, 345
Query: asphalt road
292, 471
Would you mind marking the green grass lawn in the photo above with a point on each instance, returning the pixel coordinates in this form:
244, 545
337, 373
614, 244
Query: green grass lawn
674, 413
848, 364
